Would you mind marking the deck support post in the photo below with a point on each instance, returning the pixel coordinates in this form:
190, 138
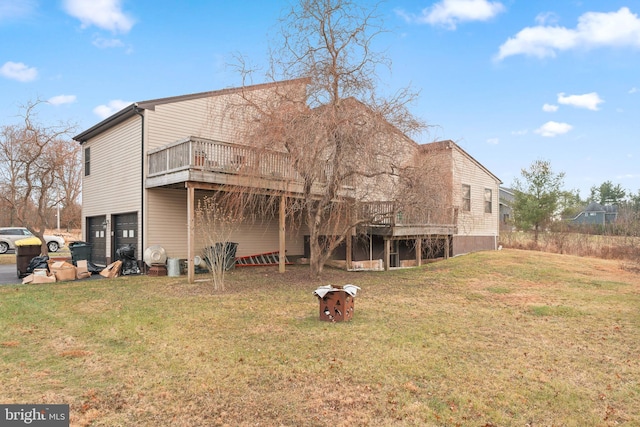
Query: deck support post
282, 234
190, 232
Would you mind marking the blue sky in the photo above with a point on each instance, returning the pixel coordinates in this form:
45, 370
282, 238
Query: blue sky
511, 81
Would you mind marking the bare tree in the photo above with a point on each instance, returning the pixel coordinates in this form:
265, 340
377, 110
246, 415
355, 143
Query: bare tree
216, 222
32, 160
69, 182
348, 145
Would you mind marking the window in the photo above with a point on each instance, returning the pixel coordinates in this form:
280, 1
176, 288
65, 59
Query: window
488, 197
466, 197
87, 161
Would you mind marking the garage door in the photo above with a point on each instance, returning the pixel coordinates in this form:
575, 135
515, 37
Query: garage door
125, 232
96, 236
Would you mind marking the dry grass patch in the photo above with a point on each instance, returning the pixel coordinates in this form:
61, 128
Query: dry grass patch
496, 338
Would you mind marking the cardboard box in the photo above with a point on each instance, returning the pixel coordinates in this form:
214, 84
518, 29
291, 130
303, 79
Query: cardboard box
111, 270
63, 270
82, 270
34, 280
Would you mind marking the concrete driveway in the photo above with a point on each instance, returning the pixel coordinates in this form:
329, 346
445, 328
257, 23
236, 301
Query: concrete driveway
9, 275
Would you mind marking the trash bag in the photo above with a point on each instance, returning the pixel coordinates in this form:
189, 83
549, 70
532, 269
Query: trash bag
41, 261
221, 252
127, 254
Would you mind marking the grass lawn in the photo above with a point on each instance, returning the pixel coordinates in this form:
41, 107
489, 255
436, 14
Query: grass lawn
503, 338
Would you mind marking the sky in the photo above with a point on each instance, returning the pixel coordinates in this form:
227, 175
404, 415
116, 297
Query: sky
510, 81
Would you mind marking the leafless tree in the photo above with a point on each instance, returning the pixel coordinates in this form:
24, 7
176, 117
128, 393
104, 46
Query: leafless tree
33, 158
347, 145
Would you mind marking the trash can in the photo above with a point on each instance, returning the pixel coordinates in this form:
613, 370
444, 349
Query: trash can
173, 267
336, 303
80, 251
26, 250
225, 252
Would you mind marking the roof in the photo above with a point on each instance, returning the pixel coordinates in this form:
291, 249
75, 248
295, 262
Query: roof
137, 107
449, 144
594, 207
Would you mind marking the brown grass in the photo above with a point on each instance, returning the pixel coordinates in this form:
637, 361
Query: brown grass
623, 248
489, 339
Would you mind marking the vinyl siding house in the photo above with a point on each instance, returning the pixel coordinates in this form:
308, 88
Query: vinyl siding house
597, 214
507, 197
147, 166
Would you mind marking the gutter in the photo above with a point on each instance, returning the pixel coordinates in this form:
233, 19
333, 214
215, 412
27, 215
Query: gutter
107, 123
139, 112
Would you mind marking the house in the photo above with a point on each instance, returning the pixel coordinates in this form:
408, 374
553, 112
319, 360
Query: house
597, 214
507, 197
147, 166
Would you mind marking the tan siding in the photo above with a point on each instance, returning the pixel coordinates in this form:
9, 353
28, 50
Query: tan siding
114, 184
476, 222
167, 215
167, 221
211, 118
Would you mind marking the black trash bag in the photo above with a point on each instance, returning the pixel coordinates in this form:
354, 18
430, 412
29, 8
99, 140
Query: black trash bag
127, 254
92, 268
41, 261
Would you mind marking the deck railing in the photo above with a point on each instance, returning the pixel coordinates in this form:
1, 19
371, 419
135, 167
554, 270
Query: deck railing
388, 213
223, 157
217, 156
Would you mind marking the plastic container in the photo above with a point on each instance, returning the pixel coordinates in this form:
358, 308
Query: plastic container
80, 251
24, 254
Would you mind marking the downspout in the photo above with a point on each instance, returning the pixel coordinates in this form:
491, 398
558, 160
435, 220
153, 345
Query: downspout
139, 112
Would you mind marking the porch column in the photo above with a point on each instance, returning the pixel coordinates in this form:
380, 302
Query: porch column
387, 254
349, 251
446, 247
419, 251
282, 235
190, 232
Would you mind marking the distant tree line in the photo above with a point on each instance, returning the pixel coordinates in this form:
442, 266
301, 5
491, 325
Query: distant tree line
540, 203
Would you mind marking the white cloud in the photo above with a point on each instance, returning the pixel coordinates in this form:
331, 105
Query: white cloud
551, 129
62, 99
633, 90
449, 13
112, 107
18, 71
105, 14
493, 141
103, 43
549, 108
10, 9
546, 18
520, 132
594, 29
589, 101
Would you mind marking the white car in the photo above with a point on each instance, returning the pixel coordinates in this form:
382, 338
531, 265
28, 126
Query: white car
9, 235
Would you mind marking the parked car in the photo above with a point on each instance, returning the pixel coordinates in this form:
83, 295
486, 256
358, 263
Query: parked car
9, 235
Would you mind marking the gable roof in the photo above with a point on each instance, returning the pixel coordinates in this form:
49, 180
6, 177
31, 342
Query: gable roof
136, 107
449, 144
